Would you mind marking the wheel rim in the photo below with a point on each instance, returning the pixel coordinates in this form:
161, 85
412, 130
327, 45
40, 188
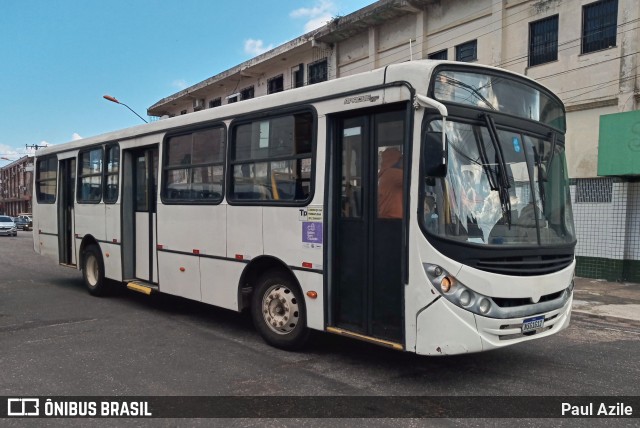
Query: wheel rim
93, 272
280, 309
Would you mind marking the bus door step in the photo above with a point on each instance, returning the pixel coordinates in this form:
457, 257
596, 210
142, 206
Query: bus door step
68, 265
142, 287
358, 336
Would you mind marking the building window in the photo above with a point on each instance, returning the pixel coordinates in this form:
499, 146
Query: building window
246, 93
194, 167
318, 71
216, 102
439, 55
467, 52
275, 84
46, 179
297, 76
112, 174
599, 25
271, 159
543, 41
183, 112
90, 176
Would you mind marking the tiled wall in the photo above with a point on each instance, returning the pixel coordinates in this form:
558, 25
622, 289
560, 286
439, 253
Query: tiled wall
607, 218
632, 248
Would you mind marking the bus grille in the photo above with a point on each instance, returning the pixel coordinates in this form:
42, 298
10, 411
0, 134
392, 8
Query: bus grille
525, 266
515, 302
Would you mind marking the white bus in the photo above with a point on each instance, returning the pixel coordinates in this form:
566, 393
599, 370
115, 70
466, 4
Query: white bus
423, 206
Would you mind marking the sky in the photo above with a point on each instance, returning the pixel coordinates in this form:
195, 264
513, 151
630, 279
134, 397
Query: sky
58, 58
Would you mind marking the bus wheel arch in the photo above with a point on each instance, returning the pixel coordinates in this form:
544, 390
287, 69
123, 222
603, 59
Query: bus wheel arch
273, 294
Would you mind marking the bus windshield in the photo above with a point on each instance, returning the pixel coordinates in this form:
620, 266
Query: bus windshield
499, 93
522, 200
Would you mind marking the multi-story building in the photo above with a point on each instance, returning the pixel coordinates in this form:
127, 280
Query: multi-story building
16, 186
586, 51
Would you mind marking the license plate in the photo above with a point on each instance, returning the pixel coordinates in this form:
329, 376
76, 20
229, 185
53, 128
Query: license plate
532, 323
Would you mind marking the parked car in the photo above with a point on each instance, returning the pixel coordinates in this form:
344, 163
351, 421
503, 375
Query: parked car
7, 226
23, 222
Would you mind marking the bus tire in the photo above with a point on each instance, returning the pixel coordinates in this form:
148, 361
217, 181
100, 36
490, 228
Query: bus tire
278, 311
93, 271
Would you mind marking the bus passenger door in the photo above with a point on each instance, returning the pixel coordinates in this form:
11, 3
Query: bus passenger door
66, 200
139, 214
367, 248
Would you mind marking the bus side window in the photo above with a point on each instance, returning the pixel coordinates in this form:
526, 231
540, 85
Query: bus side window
272, 158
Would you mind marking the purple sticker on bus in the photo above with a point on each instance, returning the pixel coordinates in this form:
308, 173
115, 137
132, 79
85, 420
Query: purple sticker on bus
312, 232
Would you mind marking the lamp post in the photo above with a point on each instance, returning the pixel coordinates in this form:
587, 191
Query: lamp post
114, 100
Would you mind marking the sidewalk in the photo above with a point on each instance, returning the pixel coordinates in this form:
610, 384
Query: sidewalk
613, 301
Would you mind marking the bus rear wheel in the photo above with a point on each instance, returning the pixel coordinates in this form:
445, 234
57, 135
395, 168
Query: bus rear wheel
278, 311
93, 271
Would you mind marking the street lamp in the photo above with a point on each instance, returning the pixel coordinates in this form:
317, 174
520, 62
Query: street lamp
114, 100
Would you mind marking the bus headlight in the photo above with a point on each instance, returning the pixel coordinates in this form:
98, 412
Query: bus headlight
456, 292
445, 284
484, 305
465, 298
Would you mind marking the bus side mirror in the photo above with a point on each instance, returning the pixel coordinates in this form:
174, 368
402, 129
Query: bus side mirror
434, 155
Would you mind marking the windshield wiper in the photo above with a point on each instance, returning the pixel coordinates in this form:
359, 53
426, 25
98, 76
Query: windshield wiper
544, 168
503, 184
538, 162
484, 159
553, 149
471, 89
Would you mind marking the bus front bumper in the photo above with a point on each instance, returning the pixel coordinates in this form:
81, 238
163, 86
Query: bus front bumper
446, 329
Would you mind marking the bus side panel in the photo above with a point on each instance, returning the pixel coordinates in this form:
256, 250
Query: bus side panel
90, 220
179, 275
112, 260
291, 237
196, 231
312, 281
192, 227
45, 230
113, 264
244, 232
219, 282
112, 223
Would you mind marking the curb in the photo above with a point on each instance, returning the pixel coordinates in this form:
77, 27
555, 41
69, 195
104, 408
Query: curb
610, 318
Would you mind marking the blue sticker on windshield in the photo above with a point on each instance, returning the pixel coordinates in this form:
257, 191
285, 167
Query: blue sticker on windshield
516, 144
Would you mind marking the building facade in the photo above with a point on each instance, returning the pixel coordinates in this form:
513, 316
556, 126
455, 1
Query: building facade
586, 51
16, 186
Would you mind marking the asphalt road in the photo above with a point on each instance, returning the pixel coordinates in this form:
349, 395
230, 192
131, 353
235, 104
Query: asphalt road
56, 339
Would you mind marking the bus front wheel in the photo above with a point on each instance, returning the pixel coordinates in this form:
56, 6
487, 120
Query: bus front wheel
93, 271
278, 311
